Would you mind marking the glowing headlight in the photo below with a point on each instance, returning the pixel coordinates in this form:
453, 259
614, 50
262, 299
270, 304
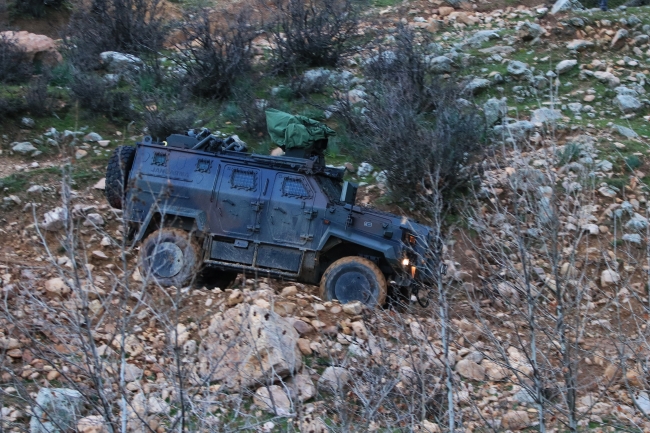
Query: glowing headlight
405, 262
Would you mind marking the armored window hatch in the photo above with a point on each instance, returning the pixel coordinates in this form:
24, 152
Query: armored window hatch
244, 179
294, 187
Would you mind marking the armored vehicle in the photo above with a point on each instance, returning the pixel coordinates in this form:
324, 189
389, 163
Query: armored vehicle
198, 202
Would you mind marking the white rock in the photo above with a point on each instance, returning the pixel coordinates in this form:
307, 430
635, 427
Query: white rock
364, 169
566, 66
470, 370
273, 399
334, 379
609, 278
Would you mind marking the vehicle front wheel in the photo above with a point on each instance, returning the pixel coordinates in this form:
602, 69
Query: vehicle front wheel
170, 257
354, 279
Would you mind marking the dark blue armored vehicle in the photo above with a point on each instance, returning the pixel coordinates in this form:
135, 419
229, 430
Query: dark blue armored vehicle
202, 204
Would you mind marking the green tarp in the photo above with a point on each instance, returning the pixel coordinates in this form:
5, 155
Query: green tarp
292, 131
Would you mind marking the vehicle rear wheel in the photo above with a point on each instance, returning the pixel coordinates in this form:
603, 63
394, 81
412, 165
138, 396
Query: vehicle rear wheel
117, 174
354, 279
170, 257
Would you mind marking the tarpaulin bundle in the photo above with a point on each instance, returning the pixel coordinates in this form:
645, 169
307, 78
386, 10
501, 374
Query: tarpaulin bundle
295, 131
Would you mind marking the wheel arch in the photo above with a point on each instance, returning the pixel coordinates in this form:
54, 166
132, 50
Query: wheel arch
190, 220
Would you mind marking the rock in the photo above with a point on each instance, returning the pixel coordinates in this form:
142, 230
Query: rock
427, 427
627, 103
607, 192
607, 77
565, 66
565, 5
545, 115
55, 219
118, 62
494, 371
494, 110
236, 297
93, 137
101, 184
638, 222
25, 147
156, 405
625, 131
27, 122
579, 44
248, 344
333, 380
289, 291
302, 387
477, 39
92, 424
353, 308
56, 410
94, 219
80, 153
477, 85
38, 48
634, 238
530, 31
364, 169
470, 370
304, 346
498, 49
517, 130
132, 372
609, 278
462, 17
55, 287
515, 419
316, 77
619, 39
438, 64
273, 399
35, 189
277, 152
443, 11
302, 327
518, 69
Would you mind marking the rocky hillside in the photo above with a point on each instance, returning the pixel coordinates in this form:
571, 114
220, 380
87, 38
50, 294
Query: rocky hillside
540, 322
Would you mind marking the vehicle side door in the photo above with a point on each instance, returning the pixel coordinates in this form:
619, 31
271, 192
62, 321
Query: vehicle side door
291, 210
238, 201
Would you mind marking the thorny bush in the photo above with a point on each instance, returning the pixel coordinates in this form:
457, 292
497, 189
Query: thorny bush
216, 53
415, 126
311, 32
131, 26
95, 95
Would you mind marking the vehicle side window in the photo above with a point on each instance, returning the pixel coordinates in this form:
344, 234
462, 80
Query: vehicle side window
294, 187
244, 179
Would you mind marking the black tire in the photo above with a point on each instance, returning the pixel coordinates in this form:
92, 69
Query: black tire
354, 279
170, 257
117, 174
217, 278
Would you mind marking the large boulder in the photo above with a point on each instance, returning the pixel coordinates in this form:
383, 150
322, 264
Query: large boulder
56, 410
566, 66
566, 5
518, 69
494, 110
248, 346
38, 48
439, 64
628, 103
530, 31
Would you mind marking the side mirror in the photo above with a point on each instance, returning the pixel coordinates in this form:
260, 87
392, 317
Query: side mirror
349, 193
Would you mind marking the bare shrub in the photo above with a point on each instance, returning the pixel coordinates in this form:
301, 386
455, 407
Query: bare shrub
39, 102
217, 53
14, 64
11, 107
95, 95
311, 32
35, 8
131, 26
166, 115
